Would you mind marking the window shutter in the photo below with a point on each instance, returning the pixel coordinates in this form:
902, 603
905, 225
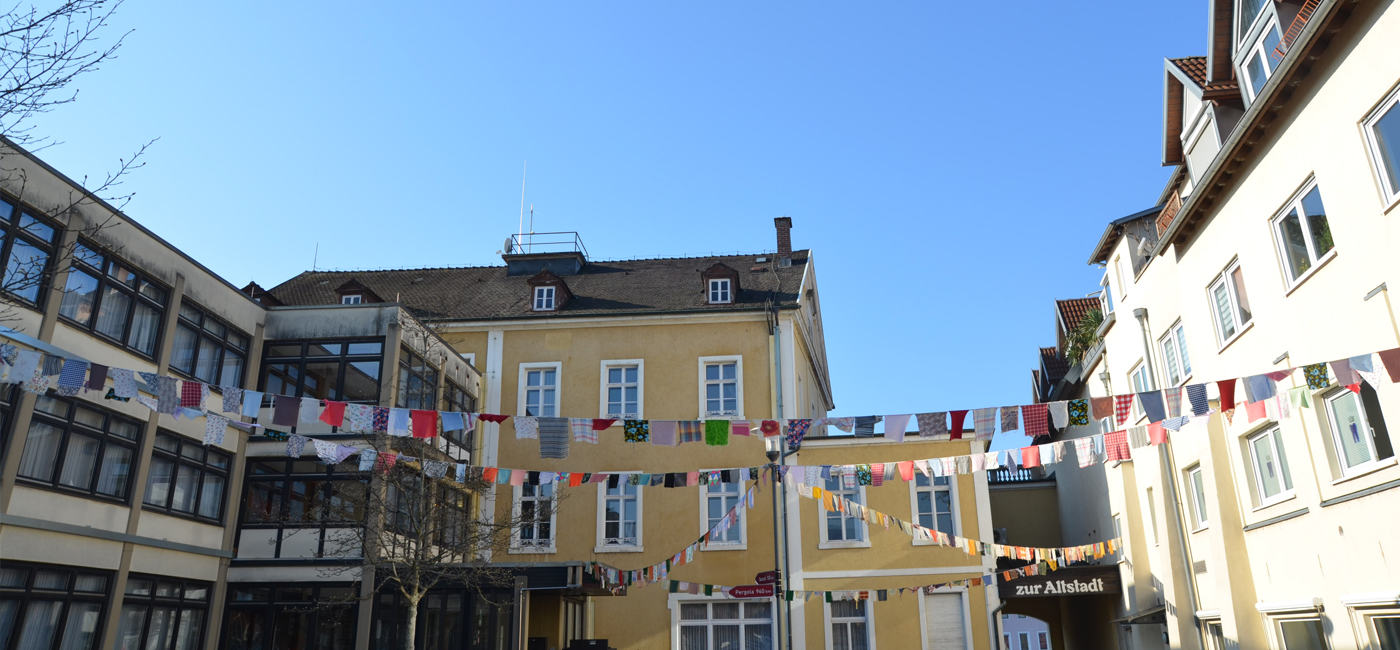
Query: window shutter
943, 614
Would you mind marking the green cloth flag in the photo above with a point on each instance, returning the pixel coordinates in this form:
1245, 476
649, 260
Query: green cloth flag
716, 432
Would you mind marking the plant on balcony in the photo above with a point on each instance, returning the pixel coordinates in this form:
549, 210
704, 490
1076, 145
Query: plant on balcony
1083, 337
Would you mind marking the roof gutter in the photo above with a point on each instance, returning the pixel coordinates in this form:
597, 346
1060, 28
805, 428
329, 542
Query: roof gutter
1247, 123
557, 315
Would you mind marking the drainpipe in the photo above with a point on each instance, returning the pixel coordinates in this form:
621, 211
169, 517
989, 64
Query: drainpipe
780, 487
1141, 315
996, 628
1185, 547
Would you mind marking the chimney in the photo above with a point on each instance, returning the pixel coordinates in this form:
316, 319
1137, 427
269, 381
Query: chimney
784, 225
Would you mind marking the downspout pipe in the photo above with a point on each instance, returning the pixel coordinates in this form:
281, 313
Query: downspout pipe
1141, 315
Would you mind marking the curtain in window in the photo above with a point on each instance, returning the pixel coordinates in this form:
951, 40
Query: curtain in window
115, 472
40, 625
79, 462
81, 631
111, 316
143, 329
133, 619
182, 352
1351, 430
187, 635
9, 609
186, 489
694, 637
79, 296
212, 497
158, 486
40, 451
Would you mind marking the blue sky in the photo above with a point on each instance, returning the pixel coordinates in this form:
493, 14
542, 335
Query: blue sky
951, 164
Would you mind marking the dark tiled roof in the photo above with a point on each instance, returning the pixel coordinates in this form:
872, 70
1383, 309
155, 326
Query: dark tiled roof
1074, 310
1055, 367
1195, 67
600, 288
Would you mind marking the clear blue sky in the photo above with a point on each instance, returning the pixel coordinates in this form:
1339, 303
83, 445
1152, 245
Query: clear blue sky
952, 164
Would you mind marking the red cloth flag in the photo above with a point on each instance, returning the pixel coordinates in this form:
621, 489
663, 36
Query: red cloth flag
1227, 394
1157, 433
489, 417
425, 423
1255, 410
334, 414
956, 431
1030, 456
600, 424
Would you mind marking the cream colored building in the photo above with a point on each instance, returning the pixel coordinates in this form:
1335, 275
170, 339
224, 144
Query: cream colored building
1270, 248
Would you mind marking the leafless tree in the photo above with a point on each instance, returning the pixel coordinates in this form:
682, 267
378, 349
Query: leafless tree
417, 528
43, 52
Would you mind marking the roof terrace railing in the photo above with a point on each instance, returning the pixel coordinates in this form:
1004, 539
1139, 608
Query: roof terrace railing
547, 242
1299, 22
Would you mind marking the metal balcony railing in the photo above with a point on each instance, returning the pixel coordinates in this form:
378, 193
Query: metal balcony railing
547, 242
1294, 30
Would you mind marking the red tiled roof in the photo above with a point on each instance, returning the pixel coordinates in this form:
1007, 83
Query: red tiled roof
1055, 366
1195, 69
1074, 310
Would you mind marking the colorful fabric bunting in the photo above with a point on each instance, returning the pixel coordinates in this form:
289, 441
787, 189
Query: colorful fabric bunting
425, 423
955, 429
932, 425
1010, 416
1078, 413
554, 438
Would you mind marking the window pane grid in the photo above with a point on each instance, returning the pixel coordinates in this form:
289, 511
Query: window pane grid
94, 457
26, 251
721, 389
184, 480
622, 390
344, 370
128, 307
843, 526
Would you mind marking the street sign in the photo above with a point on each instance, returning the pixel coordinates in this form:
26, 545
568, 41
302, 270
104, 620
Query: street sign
751, 591
1069, 581
766, 578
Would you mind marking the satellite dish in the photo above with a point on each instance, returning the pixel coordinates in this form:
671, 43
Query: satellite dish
509, 245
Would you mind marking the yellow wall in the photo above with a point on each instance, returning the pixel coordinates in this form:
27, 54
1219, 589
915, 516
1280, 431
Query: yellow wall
1030, 515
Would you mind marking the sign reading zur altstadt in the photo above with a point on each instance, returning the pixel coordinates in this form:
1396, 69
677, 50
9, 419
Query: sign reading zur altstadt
1086, 581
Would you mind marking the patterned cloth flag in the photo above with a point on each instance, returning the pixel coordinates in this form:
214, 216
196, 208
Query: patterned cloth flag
296, 445
168, 395
379, 419
1116, 446
845, 424
233, 399
192, 394
984, 423
583, 430
1084, 449
1361, 365
717, 432
932, 425
326, 451
435, 468
1122, 407
1137, 437
1196, 396
1034, 416
1316, 374
1173, 399
1010, 418
214, 427
694, 430
367, 459
70, 379
636, 430
1078, 412
26, 362
1175, 424
359, 418
865, 426
796, 431
554, 437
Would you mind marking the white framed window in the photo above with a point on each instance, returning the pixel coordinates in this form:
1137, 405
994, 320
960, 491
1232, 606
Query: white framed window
1174, 357
1152, 515
1043, 640
1384, 629
544, 299
1301, 233
1358, 429
534, 510
539, 389
843, 529
716, 500
620, 389
850, 625
1272, 480
1196, 484
719, 292
619, 518
1142, 383
1105, 296
722, 388
1247, 13
1262, 59
945, 619
1215, 636
1382, 130
350, 299
932, 502
1301, 633
1229, 304
728, 624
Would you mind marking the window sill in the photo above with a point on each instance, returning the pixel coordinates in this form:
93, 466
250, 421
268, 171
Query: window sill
1231, 341
1203, 527
725, 547
619, 549
1394, 202
731, 418
1312, 271
927, 542
836, 545
1365, 469
1282, 498
531, 550
181, 515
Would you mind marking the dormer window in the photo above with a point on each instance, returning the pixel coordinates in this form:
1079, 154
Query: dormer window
1262, 59
720, 292
544, 298
350, 299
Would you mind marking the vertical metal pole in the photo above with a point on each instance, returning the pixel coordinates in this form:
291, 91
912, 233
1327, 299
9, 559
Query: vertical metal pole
777, 559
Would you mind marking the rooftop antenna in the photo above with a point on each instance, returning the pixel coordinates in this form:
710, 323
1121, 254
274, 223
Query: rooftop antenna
315, 255
532, 227
520, 229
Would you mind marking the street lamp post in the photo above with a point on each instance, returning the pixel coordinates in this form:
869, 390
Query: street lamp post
773, 446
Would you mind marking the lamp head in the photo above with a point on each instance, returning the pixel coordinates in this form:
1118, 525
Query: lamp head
773, 447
